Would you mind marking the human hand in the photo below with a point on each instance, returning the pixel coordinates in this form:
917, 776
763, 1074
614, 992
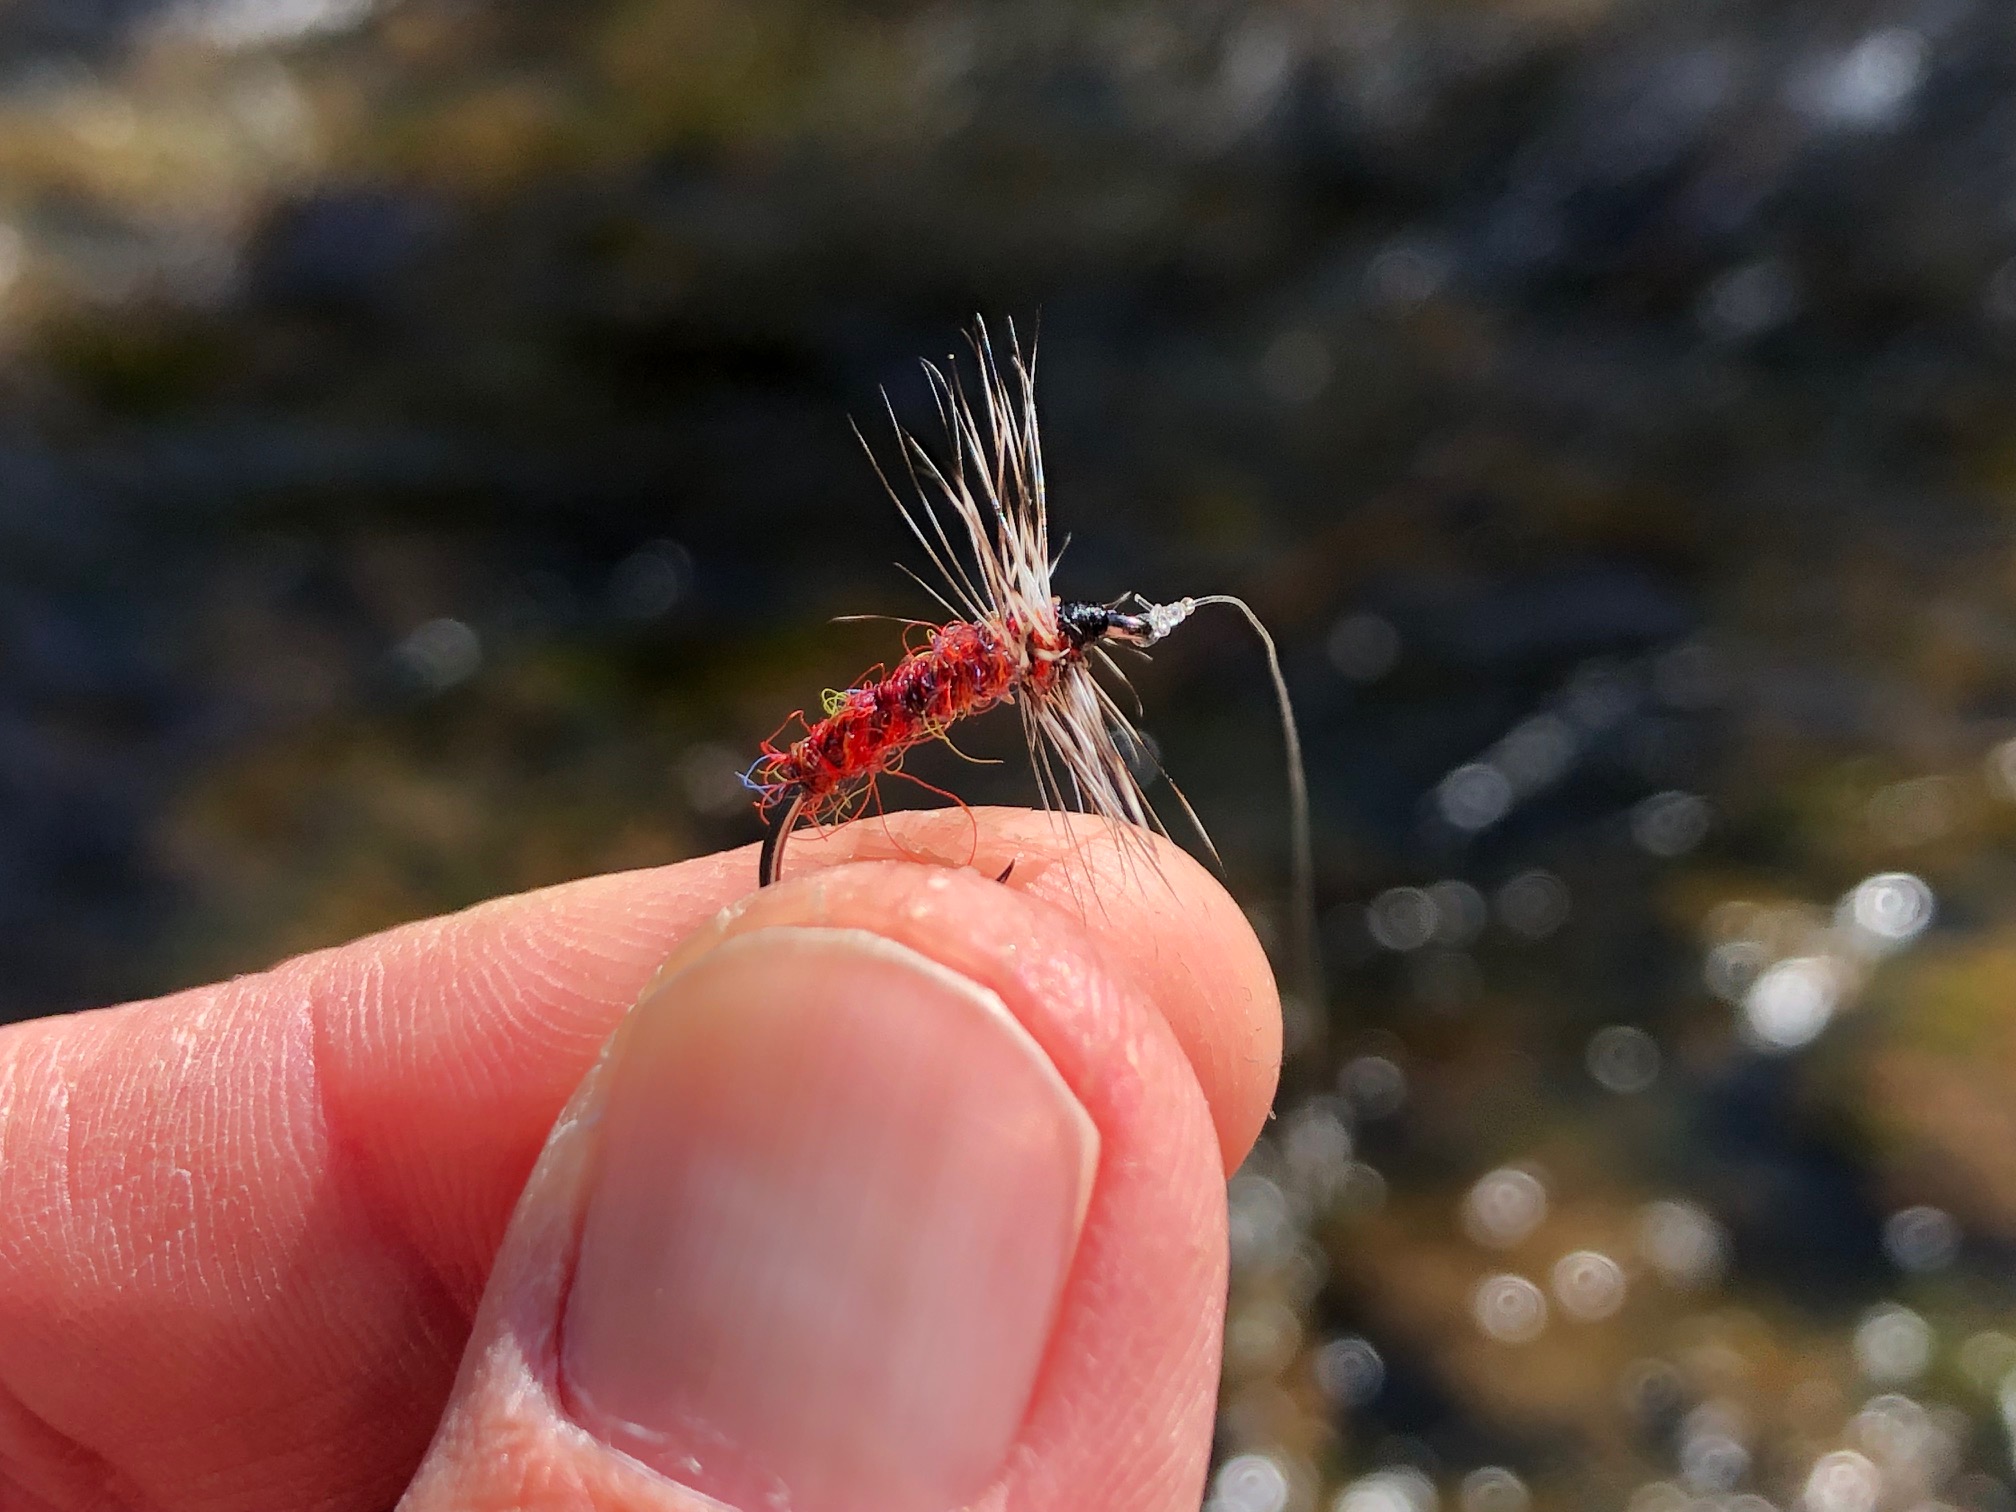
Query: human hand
899, 1189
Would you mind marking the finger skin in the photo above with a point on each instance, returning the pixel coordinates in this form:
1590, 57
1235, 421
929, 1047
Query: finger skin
1121, 1414
248, 1225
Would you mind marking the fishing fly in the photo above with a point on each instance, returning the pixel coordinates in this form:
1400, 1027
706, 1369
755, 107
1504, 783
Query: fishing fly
1008, 639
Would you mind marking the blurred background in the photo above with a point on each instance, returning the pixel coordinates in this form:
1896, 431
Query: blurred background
425, 472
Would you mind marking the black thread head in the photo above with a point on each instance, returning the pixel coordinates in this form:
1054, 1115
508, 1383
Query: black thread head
1083, 624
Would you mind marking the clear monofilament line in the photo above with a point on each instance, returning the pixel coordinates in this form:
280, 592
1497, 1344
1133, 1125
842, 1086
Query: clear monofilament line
1301, 841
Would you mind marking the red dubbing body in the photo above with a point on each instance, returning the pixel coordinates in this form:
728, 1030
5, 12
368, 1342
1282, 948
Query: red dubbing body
966, 669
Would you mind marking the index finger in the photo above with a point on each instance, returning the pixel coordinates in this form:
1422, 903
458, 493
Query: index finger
451, 1045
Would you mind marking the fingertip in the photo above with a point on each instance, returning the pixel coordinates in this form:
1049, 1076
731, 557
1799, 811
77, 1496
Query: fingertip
1195, 953
847, 1108
1153, 914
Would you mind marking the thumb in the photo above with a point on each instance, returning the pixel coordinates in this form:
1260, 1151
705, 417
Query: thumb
886, 1195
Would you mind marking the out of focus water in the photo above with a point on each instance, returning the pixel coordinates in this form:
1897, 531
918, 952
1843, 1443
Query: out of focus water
425, 472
